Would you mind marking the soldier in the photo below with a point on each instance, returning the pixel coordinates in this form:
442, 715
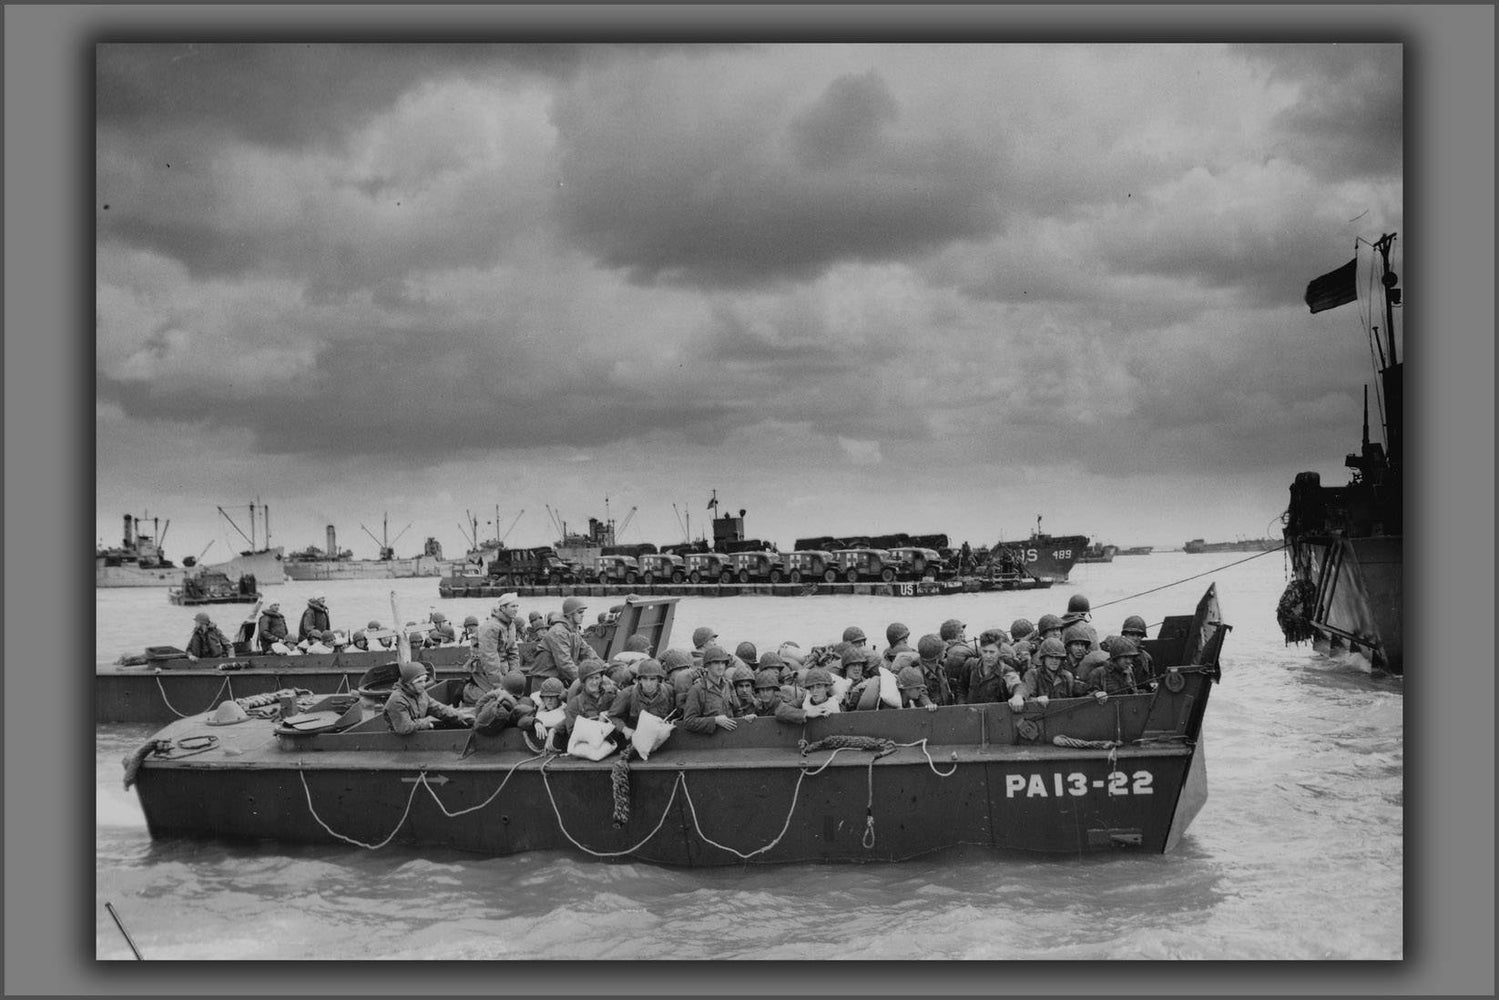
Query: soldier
680, 674
811, 702
990, 679
410, 708
1116, 674
562, 646
314, 619
272, 627
742, 681
930, 648
206, 639
896, 635
1078, 610
1050, 679
470, 630
955, 658
1134, 630
854, 636
710, 700
766, 691
649, 693
701, 636
442, 630
1081, 643
503, 705
590, 701
746, 655
912, 684
496, 650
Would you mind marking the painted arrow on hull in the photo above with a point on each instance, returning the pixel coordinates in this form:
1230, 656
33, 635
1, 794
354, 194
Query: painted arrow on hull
441, 779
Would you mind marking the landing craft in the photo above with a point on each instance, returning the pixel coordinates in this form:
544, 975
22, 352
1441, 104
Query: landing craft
1072, 777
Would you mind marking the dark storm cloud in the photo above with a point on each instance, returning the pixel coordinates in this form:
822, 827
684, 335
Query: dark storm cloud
1349, 119
773, 190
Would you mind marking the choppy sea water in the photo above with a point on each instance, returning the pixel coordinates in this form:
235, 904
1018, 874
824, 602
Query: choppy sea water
1297, 854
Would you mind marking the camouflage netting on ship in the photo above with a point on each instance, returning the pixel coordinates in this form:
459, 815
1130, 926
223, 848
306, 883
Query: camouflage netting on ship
1294, 613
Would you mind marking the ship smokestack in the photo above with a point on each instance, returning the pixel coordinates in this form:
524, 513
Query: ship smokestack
332, 542
128, 532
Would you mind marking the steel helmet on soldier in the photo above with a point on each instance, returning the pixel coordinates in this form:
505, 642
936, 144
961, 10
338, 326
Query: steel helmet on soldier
551, 686
1020, 628
930, 646
909, 679
650, 668
1134, 623
413, 670
202, 618
746, 652
740, 674
1122, 646
638, 643
373, 624
514, 682
1077, 604
1077, 633
852, 655
854, 634
768, 679
471, 622
702, 635
1047, 623
770, 660
1052, 647
951, 629
896, 632
573, 604
817, 676
675, 659
714, 654
589, 667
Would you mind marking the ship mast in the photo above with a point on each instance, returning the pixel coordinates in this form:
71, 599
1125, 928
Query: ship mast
1392, 375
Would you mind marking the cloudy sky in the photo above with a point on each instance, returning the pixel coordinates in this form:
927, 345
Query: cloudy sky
853, 288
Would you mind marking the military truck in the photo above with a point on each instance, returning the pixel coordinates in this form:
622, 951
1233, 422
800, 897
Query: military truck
865, 564
810, 565
540, 565
662, 567
758, 567
709, 567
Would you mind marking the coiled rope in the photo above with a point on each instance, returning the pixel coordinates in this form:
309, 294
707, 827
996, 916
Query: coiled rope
1077, 744
619, 780
190, 745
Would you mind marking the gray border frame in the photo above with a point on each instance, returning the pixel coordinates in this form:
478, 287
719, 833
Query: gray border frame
49, 937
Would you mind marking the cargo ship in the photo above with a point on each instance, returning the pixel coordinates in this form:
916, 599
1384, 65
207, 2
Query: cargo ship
140, 561
1346, 591
313, 563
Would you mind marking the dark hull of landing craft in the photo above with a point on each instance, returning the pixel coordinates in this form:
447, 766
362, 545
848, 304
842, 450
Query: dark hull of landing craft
165, 689
1359, 594
1347, 542
1048, 557
980, 775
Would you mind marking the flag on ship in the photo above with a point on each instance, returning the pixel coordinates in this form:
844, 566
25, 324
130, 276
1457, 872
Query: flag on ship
1335, 288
